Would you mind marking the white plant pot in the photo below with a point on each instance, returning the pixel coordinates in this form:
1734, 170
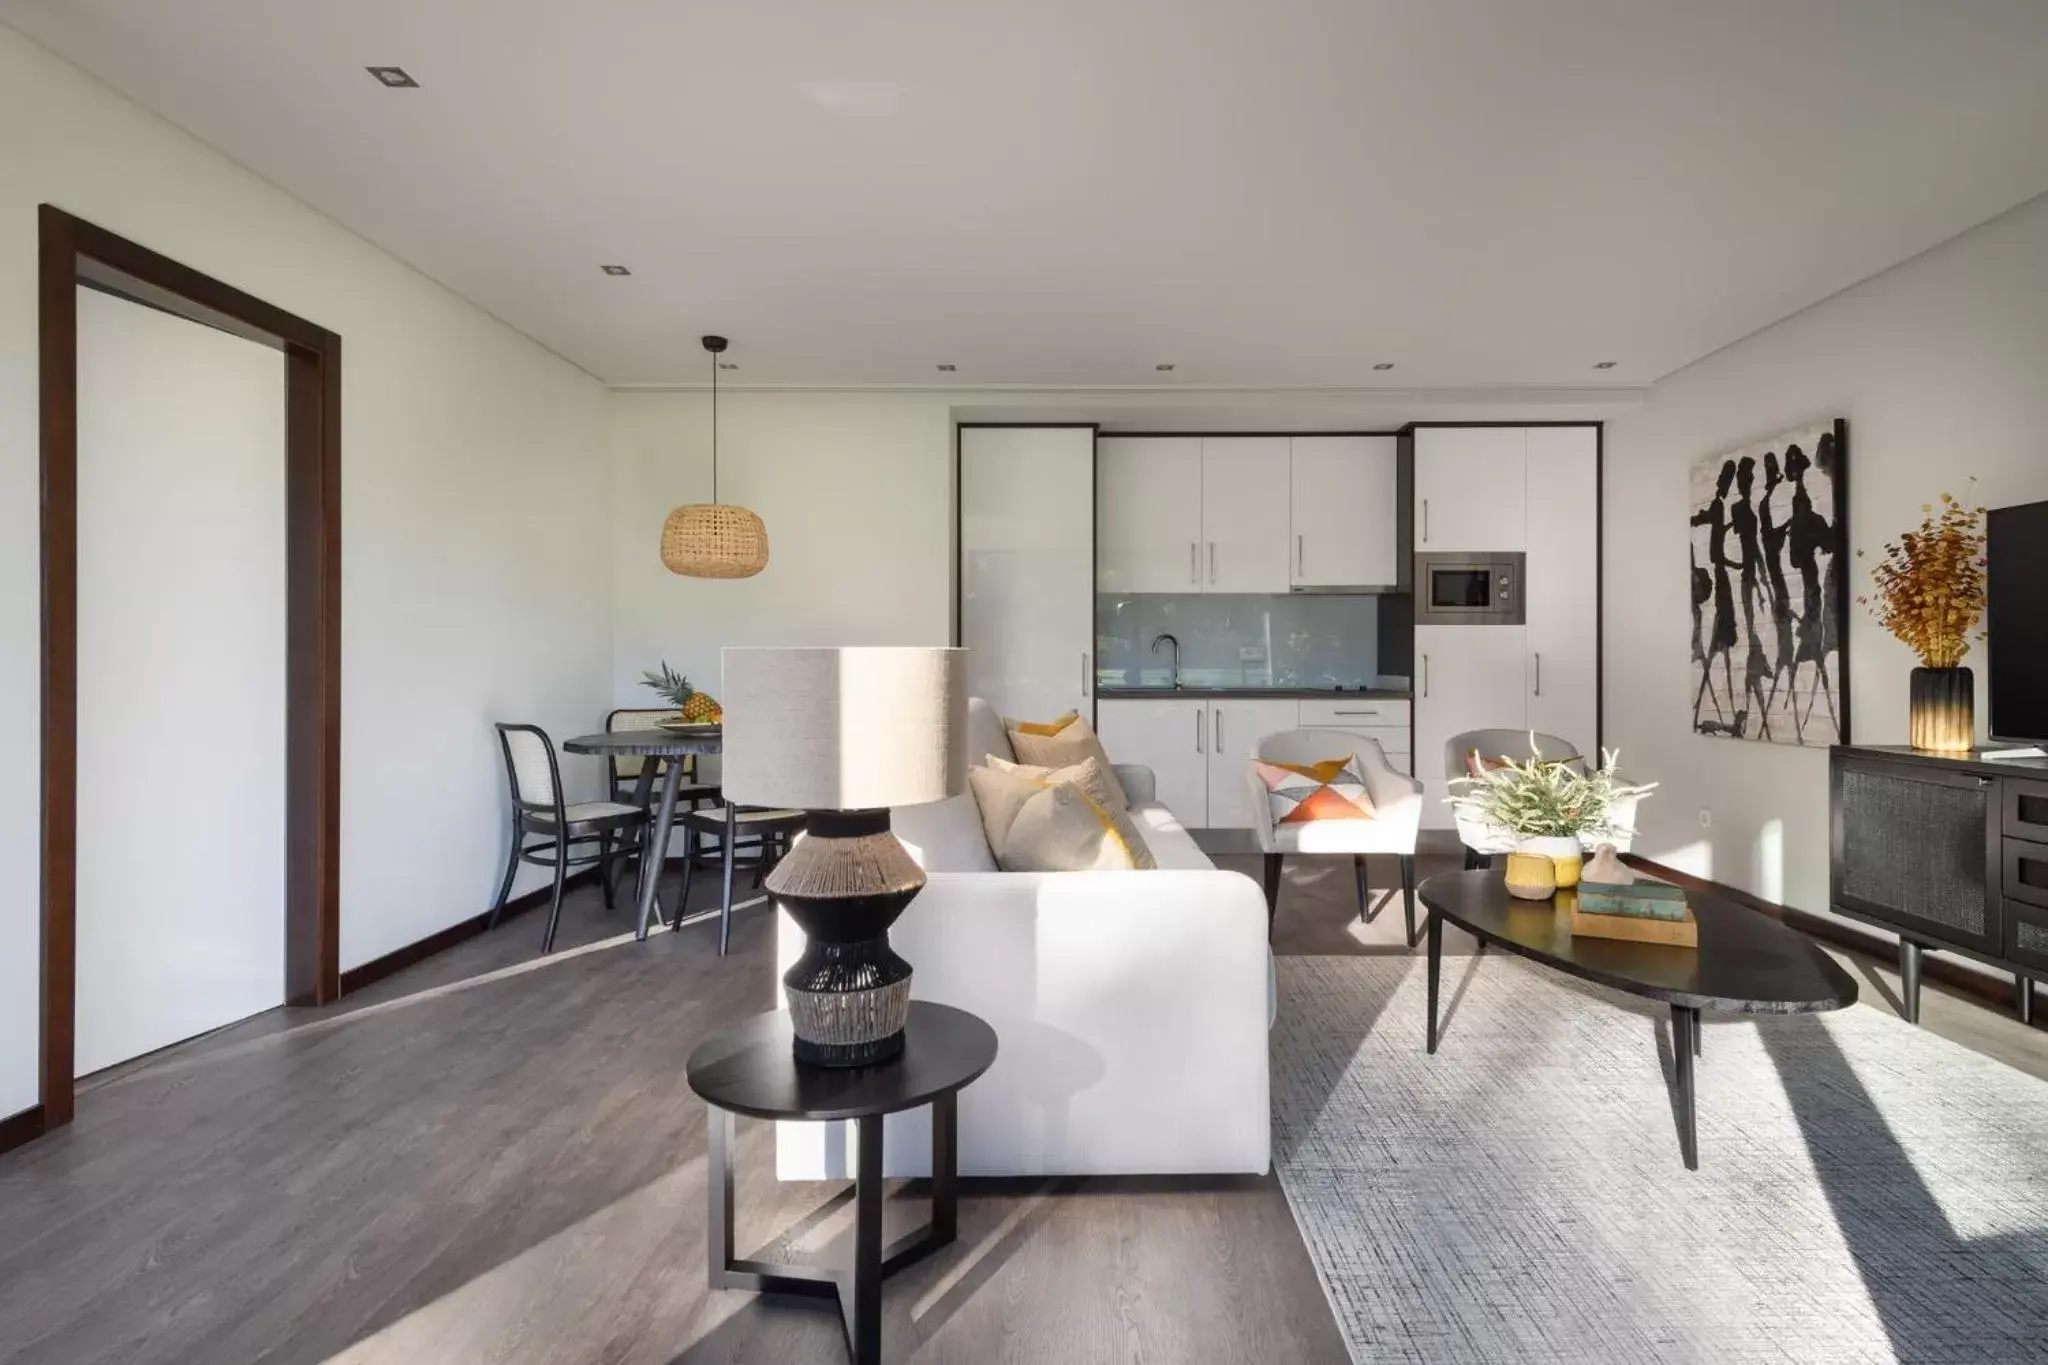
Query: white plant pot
1562, 850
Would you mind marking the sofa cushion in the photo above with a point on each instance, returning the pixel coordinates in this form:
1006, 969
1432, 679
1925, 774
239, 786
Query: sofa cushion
945, 836
999, 793
1298, 793
1061, 828
1057, 743
1172, 846
1091, 775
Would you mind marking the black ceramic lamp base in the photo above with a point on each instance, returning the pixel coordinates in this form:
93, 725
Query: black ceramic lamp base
844, 885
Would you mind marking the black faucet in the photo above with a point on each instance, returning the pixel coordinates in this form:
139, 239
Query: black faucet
1165, 638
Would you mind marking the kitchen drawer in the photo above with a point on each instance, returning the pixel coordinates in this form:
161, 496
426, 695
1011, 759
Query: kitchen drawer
2025, 808
2026, 871
1350, 713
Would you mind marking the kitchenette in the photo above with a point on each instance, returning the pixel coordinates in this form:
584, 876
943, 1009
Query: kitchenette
1194, 593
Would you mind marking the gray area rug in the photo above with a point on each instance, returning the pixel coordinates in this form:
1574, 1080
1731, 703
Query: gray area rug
1867, 1191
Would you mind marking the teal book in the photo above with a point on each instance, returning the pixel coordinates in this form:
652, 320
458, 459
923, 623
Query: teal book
1598, 899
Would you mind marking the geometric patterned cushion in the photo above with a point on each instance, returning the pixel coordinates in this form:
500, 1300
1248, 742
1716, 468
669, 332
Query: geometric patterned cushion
1300, 793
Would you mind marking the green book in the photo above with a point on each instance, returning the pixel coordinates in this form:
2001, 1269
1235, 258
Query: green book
1636, 907
1636, 890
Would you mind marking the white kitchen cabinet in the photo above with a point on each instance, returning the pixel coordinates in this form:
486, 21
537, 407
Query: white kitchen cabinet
1027, 609
1466, 678
1346, 510
1235, 728
1382, 719
1560, 591
1171, 737
1245, 514
1470, 489
1148, 515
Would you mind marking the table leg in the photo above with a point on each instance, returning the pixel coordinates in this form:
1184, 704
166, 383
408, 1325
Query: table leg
864, 1313
657, 846
1685, 1027
1436, 965
732, 830
718, 1248
945, 1168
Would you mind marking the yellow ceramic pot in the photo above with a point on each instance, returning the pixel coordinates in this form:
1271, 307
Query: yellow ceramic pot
1565, 855
1532, 876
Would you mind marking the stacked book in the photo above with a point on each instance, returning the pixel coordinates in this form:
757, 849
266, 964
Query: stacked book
1639, 912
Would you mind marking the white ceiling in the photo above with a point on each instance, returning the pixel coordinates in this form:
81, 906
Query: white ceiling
1067, 192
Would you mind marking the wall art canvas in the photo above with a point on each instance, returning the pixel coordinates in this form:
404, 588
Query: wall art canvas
1770, 591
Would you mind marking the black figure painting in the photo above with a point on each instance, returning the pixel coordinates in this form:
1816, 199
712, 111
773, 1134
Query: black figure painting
1769, 590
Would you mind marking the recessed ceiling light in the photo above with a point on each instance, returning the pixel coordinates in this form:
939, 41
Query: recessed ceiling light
1164, 369
615, 270
948, 369
1384, 365
1603, 365
394, 77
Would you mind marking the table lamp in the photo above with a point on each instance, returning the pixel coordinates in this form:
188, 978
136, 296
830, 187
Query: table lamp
843, 735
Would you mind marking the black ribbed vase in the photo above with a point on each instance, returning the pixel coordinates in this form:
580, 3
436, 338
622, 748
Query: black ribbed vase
844, 885
1944, 709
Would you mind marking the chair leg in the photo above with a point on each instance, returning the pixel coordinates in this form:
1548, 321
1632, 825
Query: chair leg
1272, 892
547, 944
761, 847
604, 867
725, 905
689, 866
1474, 860
1358, 875
505, 886
1408, 894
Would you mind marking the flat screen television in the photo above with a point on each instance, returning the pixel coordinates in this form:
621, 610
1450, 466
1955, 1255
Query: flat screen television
2016, 621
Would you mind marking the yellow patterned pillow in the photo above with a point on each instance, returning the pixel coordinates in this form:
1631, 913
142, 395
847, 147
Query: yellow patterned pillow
1058, 743
1091, 775
1064, 829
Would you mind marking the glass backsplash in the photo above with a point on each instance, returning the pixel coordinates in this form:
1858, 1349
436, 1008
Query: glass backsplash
1239, 640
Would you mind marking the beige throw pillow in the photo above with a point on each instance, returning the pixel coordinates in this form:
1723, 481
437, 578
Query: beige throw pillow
1091, 775
1055, 744
1000, 793
1063, 829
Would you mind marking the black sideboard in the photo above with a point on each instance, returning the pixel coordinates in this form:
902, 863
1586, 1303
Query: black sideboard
1951, 854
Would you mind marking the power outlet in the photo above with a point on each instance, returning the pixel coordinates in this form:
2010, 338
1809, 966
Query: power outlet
1706, 818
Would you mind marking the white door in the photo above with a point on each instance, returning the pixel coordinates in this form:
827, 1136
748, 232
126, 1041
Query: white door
1466, 678
1469, 484
1148, 514
1171, 737
181, 680
1235, 729
1245, 503
1561, 587
1346, 509
1027, 606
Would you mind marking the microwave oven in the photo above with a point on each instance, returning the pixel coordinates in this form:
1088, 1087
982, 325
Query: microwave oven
1469, 589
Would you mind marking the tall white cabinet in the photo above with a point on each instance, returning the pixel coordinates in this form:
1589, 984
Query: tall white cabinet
1027, 550
1491, 489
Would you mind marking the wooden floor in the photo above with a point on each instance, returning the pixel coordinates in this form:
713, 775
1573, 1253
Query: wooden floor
492, 1157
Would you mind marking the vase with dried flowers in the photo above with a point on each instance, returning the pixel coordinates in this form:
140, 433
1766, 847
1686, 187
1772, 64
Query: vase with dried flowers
1928, 590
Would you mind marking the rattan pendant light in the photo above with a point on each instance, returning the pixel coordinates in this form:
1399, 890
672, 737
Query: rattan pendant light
714, 539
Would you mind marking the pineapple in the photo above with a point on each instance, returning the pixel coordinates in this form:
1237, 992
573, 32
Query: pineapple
698, 708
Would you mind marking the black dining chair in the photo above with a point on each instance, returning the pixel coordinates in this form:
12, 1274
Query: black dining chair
535, 777
769, 832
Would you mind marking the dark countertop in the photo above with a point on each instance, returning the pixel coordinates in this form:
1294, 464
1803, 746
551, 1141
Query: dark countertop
1253, 693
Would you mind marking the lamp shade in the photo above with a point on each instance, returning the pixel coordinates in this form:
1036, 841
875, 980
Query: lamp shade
714, 540
859, 728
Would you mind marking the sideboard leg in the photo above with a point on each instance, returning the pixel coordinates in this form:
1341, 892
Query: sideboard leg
1909, 980
2024, 986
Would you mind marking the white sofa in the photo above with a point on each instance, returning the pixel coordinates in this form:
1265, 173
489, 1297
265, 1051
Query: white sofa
1130, 1008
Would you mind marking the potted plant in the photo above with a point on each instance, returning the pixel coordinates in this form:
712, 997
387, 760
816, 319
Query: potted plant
697, 708
1551, 809
1928, 590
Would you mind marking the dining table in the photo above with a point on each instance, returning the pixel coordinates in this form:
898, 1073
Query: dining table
659, 743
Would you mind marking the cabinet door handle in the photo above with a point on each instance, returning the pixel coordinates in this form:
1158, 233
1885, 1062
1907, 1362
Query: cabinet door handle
1539, 674
1212, 562
1425, 521
1194, 562
1300, 555
1198, 729
1085, 680
1425, 675
1219, 729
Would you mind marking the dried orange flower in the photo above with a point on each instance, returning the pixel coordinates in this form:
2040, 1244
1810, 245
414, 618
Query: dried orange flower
1928, 590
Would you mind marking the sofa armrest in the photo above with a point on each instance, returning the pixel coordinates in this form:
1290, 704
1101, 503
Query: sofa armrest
1137, 780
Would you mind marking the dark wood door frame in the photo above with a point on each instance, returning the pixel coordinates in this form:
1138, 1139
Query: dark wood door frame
75, 252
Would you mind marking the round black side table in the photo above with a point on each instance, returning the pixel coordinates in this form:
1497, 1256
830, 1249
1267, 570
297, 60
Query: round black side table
748, 1069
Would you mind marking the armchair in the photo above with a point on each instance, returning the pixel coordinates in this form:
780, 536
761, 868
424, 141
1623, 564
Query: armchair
1397, 800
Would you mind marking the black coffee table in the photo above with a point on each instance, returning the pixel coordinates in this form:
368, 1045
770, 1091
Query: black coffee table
748, 1069
1746, 963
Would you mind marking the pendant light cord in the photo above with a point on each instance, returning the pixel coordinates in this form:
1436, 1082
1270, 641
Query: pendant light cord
714, 426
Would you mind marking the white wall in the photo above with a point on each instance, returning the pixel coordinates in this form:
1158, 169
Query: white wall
1938, 365
475, 568
856, 491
